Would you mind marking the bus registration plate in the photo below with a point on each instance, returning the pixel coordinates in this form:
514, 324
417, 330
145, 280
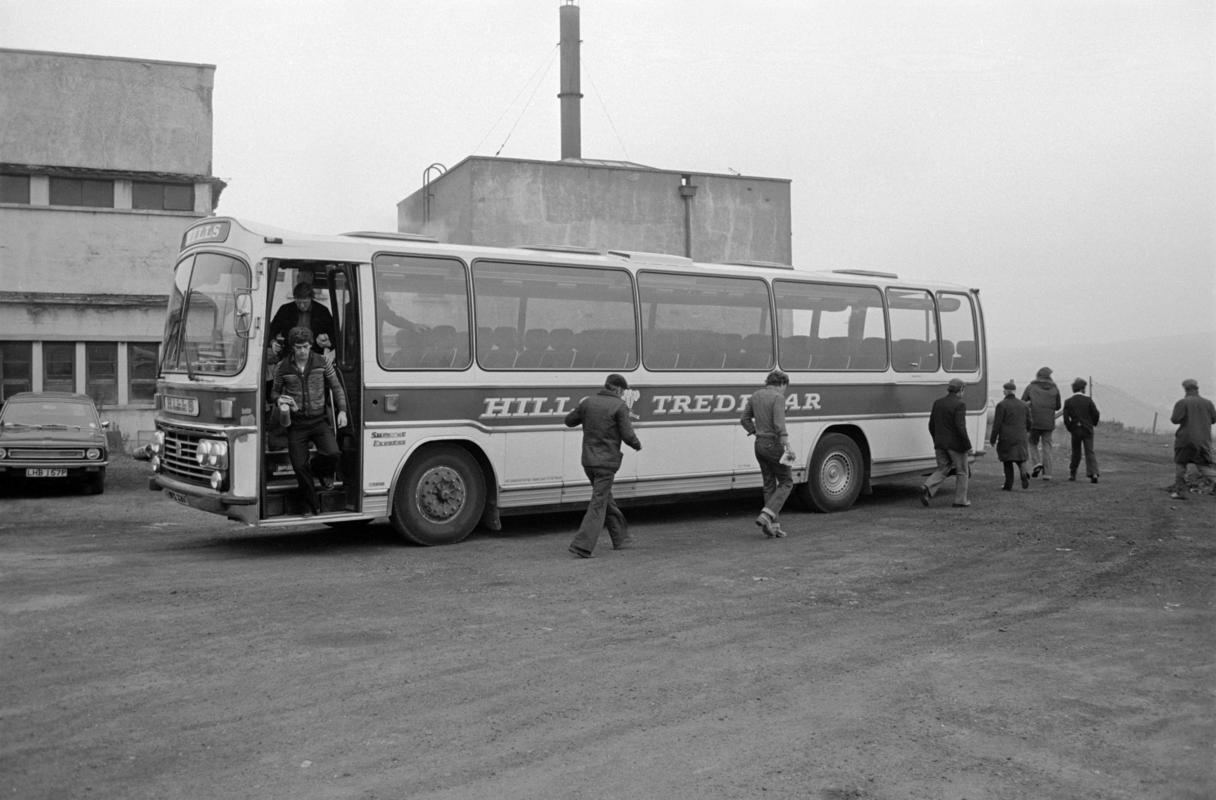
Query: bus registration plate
177, 496
187, 406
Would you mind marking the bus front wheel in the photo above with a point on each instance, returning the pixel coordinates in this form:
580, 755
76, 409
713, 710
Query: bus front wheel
836, 475
439, 498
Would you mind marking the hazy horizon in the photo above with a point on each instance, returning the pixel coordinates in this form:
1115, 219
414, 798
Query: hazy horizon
1059, 156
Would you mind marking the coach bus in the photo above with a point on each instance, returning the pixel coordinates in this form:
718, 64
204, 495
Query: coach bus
460, 362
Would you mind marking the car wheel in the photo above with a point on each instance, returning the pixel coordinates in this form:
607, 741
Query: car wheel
97, 482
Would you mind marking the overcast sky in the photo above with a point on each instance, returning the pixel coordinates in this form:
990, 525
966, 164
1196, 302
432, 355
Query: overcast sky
1060, 155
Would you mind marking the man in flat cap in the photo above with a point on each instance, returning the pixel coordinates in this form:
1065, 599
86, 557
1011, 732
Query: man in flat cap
951, 444
1194, 415
1010, 429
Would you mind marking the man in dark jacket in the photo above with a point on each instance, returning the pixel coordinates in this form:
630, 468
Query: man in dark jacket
1043, 397
1010, 425
299, 386
951, 444
1080, 419
1194, 415
302, 312
605, 420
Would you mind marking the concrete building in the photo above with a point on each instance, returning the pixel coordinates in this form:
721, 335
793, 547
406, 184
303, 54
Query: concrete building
103, 163
604, 205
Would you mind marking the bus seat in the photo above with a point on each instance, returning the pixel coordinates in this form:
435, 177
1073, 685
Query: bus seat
659, 350
536, 344
795, 352
504, 352
929, 358
906, 354
757, 351
830, 353
485, 341
441, 348
966, 356
586, 345
560, 354
871, 354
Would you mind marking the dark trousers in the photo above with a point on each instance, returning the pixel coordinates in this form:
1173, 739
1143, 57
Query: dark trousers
1083, 442
778, 480
602, 512
317, 431
1009, 465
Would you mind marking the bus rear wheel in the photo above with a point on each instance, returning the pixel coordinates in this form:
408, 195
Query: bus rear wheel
439, 498
836, 475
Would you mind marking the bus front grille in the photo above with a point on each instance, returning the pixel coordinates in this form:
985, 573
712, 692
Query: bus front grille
178, 458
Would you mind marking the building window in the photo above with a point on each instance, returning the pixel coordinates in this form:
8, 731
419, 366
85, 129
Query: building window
162, 196
15, 372
82, 192
141, 372
101, 372
59, 367
15, 189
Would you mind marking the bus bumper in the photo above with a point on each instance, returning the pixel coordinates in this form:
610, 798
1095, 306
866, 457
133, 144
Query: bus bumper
241, 509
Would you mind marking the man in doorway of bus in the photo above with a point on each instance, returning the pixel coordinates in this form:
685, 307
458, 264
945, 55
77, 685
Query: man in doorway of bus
1080, 419
1010, 427
302, 312
764, 416
605, 420
299, 386
1194, 415
1044, 400
951, 444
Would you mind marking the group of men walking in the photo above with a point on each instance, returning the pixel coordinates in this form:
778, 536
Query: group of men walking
1021, 428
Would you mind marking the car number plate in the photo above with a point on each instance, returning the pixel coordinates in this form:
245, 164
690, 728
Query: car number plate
178, 496
45, 472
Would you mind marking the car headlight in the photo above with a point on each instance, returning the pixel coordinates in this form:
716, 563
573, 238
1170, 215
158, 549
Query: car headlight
3, 453
92, 454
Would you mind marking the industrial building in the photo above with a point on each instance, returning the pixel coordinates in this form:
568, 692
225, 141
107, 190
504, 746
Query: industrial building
103, 163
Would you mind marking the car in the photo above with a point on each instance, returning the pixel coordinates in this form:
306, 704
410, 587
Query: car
57, 436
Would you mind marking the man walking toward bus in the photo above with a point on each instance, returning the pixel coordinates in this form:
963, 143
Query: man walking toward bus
604, 417
951, 444
764, 416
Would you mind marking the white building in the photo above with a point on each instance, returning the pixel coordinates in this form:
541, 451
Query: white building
103, 163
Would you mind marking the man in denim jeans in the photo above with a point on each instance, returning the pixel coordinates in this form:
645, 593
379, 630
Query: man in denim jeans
605, 420
764, 416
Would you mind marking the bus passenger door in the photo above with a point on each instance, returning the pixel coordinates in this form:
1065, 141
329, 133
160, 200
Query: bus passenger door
344, 300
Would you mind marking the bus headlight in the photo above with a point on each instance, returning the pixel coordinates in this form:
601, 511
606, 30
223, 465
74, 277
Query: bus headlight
212, 453
158, 443
217, 480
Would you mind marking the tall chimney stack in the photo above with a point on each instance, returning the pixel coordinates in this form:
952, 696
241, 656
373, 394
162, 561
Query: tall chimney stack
570, 94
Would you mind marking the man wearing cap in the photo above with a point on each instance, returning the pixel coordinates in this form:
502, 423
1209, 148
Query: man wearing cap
605, 420
1010, 426
951, 444
1080, 419
764, 417
1043, 397
1194, 415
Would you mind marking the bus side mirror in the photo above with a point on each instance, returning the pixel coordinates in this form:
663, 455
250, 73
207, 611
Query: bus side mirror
243, 319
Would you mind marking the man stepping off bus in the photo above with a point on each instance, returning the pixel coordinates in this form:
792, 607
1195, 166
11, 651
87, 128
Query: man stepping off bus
764, 417
605, 420
299, 385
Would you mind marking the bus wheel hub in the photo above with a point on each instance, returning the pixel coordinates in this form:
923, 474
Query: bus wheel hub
441, 493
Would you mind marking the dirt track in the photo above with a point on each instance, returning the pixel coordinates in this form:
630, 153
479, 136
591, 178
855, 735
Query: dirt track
1055, 643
